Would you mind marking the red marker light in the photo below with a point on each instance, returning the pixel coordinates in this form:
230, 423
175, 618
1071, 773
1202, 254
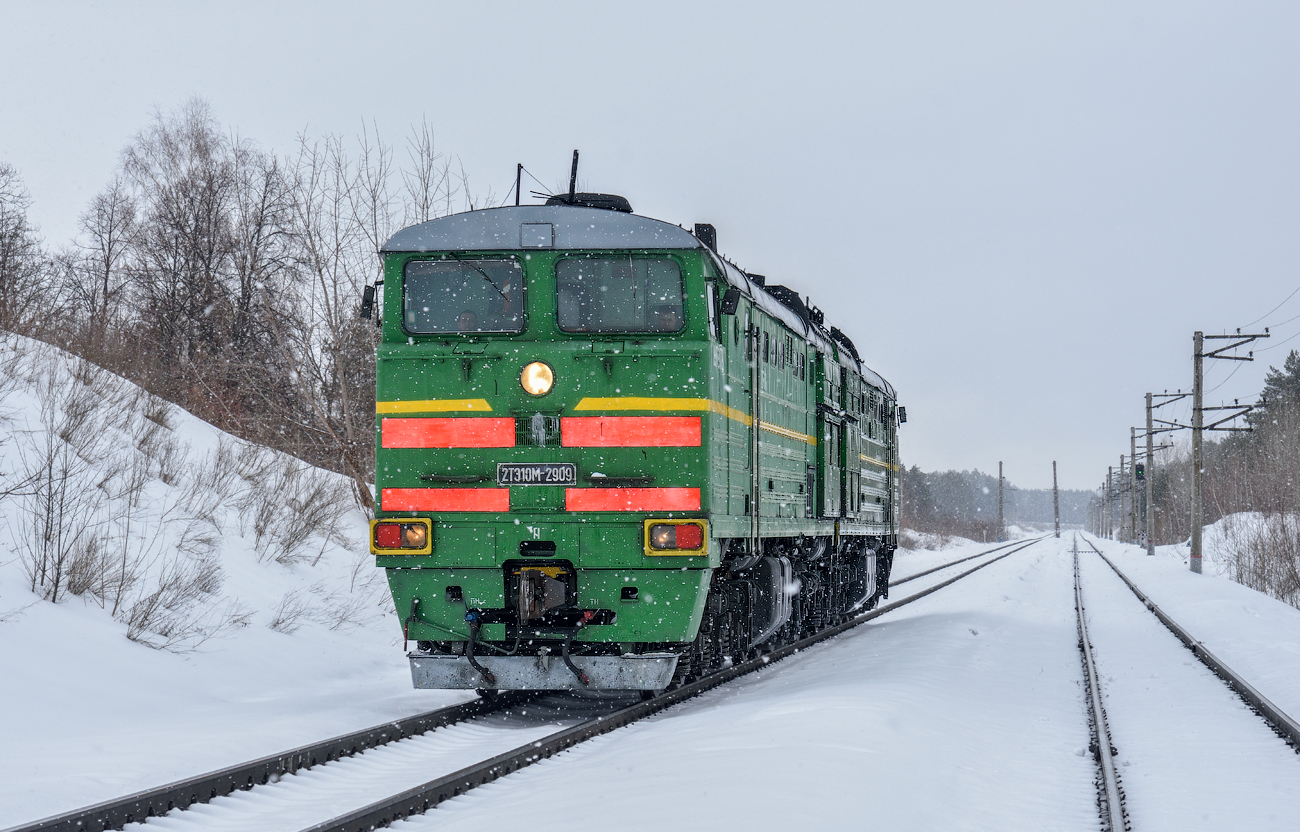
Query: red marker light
689, 536
388, 536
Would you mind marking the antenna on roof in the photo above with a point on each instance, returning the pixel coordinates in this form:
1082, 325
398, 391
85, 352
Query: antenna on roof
519, 172
573, 177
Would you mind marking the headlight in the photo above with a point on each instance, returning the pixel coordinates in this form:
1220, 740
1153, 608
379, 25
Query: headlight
537, 378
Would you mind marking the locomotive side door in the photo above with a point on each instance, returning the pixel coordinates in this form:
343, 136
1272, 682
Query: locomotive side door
738, 398
830, 438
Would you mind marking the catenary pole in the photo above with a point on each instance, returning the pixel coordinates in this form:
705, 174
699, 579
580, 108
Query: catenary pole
1110, 524
1001, 523
1198, 341
1119, 488
1056, 500
1198, 420
1133, 532
1148, 514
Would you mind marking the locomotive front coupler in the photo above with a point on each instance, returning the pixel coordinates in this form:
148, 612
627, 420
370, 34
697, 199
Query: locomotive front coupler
567, 623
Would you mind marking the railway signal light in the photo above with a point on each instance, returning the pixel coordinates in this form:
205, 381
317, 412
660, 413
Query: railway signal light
1139, 471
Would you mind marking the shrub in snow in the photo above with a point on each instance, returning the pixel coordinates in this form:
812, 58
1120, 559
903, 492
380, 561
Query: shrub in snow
119, 498
1263, 552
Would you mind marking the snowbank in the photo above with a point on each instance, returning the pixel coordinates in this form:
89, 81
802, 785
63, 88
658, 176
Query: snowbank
1255, 635
172, 599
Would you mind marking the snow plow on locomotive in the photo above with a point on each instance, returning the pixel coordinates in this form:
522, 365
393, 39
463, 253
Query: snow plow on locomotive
607, 458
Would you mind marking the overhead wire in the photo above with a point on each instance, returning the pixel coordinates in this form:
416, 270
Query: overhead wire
1278, 344
1284, 323
1240, 364
1275, 308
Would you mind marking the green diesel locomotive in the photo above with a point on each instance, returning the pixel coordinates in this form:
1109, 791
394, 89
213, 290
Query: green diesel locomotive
608, 458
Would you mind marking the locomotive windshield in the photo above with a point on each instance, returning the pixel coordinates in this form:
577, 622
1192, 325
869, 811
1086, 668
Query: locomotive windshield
619, 294
463, 296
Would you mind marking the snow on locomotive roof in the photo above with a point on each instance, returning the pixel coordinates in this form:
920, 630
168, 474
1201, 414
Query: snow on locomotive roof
795, 323
518, 228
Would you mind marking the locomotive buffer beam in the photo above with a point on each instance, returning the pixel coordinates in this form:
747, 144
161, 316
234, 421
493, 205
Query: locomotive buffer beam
547, 671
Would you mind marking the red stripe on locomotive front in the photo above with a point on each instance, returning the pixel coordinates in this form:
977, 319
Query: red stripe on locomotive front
447, 432
445, 499
632, 499
630, 431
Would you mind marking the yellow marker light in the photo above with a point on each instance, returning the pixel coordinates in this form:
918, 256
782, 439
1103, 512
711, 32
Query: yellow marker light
414, 535
663, 536
676, 537
400, 537
537, 378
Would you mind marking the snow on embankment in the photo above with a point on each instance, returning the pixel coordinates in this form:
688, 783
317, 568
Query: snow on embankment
172, 599
1258, 550
1257, 636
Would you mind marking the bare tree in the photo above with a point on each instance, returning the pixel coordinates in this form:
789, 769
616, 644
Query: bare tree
429, 188
107, 225
332, 357
228, 280
21, 258
184, 176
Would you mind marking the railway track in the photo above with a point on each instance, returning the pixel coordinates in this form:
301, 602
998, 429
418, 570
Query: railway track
184, 794
1165, 715
1110, 795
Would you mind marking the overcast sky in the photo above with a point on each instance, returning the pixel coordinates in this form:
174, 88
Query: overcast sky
1019, 211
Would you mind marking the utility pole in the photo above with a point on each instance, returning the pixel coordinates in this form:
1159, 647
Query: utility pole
1198, 383
1001, 524
1119, 488
1110, 470
1148, 516
1056, 500
1132, 486
1198, 419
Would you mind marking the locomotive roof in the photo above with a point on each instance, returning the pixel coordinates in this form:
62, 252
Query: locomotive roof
508, 229
542, 227
796, 323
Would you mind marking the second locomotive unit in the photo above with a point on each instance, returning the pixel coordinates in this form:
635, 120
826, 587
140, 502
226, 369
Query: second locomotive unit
608, 458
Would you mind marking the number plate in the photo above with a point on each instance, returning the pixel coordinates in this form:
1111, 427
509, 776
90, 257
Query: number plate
537, 473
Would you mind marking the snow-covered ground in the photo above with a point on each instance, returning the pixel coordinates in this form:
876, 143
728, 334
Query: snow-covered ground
1191, 754
1255, 635
299, 646
963, 710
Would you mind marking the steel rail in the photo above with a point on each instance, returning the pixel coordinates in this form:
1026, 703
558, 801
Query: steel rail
1110, 796
427, 796
1281, 722
117, 812
900, 581
155, 802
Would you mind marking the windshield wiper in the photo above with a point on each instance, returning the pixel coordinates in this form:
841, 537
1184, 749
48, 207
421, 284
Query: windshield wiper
477, 268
